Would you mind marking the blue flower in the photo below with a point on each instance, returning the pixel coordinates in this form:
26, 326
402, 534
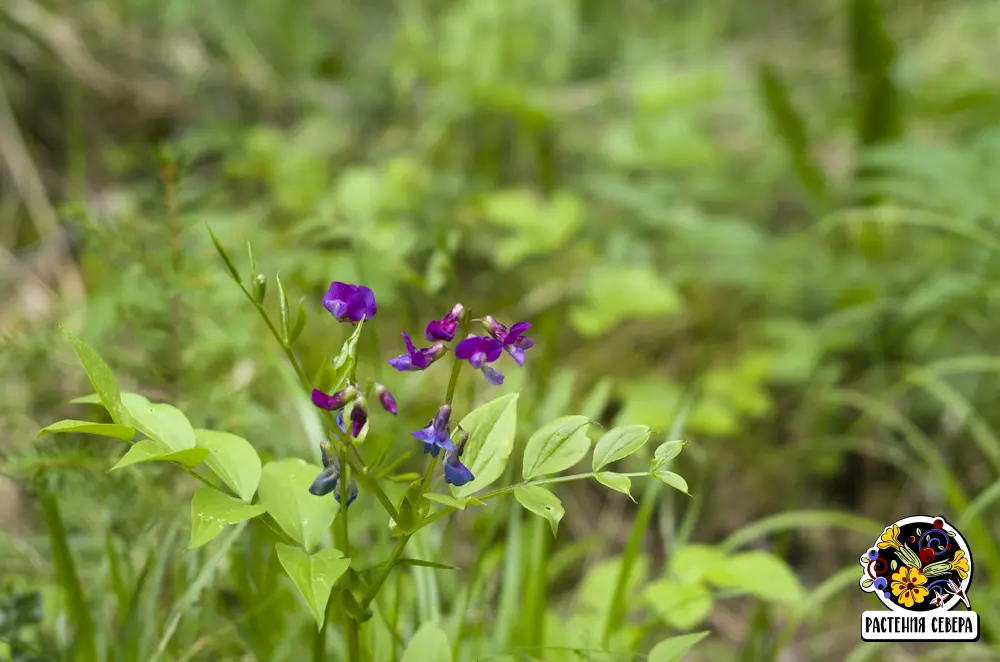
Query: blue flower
417, 359
456, 473
479, 351
329, 479
350, 303
435, 435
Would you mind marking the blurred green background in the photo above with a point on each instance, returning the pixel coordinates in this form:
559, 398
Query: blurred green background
777, 218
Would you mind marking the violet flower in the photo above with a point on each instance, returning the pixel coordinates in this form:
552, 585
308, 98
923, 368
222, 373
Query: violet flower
359, 416
350, 303
417, 359
336, 401
385, 397
329, 479
480, 350
444, 328
514, 341
435, 435
456, 473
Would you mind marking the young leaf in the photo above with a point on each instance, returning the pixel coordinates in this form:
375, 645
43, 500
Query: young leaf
673, 480
225, 257
617, 482
284, 492
314, 575
491, 431
103, 380
211, 510
448, 500
233, 460
664, 453
286, 323
618, 443
672, 649
541, 502
147, 450
760, 574
123, 432
556, 446
300, 323
429, 644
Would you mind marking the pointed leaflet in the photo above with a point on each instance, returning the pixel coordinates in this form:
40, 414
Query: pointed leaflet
447, 500
617, 482
314, 575
101, 377
160, 422
673, 480
672, 649
429, 644
225, 258
123, 432
556, 446
541, 502
491, 439
232, 459
147, 450
760, 574
618, 443
286, 323
211, 511
284, 492
664, 453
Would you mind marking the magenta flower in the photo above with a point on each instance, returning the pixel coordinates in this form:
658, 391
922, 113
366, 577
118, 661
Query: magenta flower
336, 401
385, 397
444, 328
514, 341
417, 359
359, 416
479, 351
350, 303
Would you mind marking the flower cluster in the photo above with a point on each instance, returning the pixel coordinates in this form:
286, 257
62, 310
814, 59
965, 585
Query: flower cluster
329, 479
359, 412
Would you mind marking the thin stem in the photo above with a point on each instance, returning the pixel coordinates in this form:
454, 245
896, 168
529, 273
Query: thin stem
394, 556
343, 533
456, 365
319, 644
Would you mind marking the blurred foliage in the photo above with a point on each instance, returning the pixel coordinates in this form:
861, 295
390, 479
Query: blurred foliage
786, 213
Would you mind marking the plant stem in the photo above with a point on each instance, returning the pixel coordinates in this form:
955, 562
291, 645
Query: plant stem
394, 556
319, 645
343, 533
456, 365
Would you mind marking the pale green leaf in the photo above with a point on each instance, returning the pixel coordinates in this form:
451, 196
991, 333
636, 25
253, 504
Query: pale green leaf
233, 459
617, 482
160, 422
682, 605
429, 644
672, 649
211, 511
673, 480
760, 574
123, 432
147, 450
619, 442
102, 379
313, 575
284, 493
693, 563
491, 431
541, 502
448, 500
664, 453
556, 446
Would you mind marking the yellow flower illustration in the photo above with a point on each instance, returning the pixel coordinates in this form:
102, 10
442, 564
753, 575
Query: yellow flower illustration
908, 586
889, 538
960, 564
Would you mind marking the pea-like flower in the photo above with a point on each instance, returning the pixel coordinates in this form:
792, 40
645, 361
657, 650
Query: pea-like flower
445, 328
359, 416
456, 473
417, 359
335, 401
350, 303
479, 351
435, 436
514, 341
329, 479
385, 398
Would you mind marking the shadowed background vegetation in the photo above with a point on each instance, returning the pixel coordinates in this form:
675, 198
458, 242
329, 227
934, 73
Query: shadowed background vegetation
771, 227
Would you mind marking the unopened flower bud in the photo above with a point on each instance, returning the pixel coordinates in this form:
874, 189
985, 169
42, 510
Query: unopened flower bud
359, 416
385, 397
494, 328
336, 401
259, 287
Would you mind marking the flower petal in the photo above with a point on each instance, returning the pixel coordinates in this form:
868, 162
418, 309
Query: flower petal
325, 483
492, 376
456, 473
516, 353
515, 332
403, 363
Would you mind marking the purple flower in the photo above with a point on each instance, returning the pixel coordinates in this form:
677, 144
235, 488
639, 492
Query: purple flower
480, 350
444, 328
435, 435
385, 397
456, 473
335, 401
359, 416
329, 479
350, 303
417, 359
515, 342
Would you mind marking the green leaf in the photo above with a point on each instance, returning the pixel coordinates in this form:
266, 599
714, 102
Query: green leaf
692, 563
225, 257
284, 492
541, 502
491, 431
103, 380
300, 323
429, 644
672, 649
679, 604
617, 482
160, 422
335, 375
556, 446
761, 574
618, 443
286, 323
673, 480
211, 511
616, 293
448, 500
147, 450
314, 575
123, 432
233, 459
664, 453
